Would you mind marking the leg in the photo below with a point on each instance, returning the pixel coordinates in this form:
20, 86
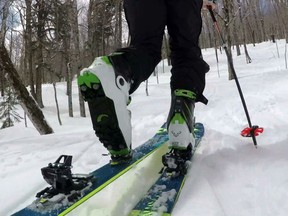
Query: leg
146, 20
184, 25
105, 84
187, 82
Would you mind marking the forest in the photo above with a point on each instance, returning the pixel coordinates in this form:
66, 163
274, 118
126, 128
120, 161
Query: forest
50, 41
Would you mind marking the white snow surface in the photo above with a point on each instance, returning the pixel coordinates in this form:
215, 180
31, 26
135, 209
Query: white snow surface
228, 175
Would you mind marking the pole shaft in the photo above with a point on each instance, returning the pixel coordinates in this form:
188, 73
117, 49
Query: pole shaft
230, 62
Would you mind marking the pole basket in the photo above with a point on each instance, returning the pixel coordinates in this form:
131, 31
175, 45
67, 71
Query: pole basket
252, 131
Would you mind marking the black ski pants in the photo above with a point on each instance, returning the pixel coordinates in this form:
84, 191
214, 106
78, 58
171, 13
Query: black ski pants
147, 20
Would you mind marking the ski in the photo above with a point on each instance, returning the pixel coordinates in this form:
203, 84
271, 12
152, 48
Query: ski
163, 194
64, 202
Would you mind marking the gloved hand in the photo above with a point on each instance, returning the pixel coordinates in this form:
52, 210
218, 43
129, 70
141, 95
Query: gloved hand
209, 3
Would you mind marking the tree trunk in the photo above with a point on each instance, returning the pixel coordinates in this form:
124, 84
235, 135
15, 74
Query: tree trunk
285, 54
91, 50
39, 70
147, 92
167, 48
216, 51
69, 90
41, 14
5, 12
56, 101
75, 50
28, 47
241, 9
228, 7
257, 35
118, 24
27, 102
2, 78
2, 40
236, 39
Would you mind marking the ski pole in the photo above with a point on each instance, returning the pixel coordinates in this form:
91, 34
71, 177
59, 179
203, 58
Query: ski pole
254, 130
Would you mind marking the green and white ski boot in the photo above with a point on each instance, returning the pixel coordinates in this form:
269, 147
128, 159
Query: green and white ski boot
180, 125
106, 90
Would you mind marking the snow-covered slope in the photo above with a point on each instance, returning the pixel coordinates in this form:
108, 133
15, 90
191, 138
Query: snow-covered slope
228, 175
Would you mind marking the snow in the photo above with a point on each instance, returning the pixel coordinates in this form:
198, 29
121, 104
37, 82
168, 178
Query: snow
160, 203
228, 176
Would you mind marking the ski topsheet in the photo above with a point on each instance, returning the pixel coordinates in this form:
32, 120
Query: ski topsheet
103, 177
162, 196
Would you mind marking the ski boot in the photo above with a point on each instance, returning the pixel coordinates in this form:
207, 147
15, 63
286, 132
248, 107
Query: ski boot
180, 125
105, 86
